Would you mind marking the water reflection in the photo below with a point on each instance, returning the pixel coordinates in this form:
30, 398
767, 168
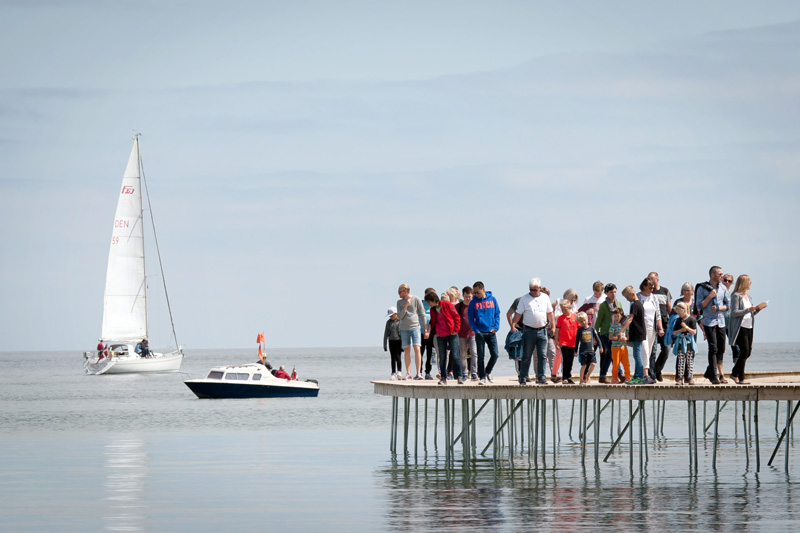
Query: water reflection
511, 495
126, 470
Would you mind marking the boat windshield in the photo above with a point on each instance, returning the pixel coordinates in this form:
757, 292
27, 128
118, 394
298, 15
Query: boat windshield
215, 374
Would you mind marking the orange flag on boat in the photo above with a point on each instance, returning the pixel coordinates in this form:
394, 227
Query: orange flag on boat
260, 338
260, 353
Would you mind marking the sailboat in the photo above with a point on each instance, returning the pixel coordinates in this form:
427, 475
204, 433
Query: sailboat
123, 345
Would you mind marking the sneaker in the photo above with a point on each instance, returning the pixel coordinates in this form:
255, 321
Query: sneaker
482, 382
541, 381
489, 378
678, 382
523, 383
442, 382
460, 381
408, 376
528, 379
418, 376
649, 381
690, 382
428, 376
474, 377
450, 375
634, 381
399, 375
393, 377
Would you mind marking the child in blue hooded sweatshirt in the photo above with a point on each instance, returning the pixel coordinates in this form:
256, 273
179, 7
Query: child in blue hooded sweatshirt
484, 319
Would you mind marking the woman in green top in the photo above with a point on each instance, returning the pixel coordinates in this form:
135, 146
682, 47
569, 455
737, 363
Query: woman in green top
602, 324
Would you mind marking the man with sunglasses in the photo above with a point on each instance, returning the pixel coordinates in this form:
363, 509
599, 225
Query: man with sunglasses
713, 302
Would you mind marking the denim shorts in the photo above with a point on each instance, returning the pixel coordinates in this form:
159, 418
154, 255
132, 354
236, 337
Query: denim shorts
411, 337
587, 359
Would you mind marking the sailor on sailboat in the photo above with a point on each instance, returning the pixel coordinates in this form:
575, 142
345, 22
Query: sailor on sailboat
125, 301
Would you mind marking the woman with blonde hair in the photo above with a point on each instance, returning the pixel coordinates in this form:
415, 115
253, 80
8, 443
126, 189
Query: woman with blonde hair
454, 294
743, 314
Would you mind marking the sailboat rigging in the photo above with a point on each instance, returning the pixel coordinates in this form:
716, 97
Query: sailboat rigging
124, 345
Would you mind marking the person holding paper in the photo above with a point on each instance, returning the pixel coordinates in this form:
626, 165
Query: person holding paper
743, 314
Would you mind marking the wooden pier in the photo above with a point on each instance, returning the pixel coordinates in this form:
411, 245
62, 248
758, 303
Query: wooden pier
519, 416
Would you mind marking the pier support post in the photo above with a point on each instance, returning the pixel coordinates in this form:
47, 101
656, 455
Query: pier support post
436, 424
689, 421
630, 432
425, 427
716, 437
406, 409
744, 435
694, 432
758, 451
416, 428
784, 434
622, 434
536, 433
544, 430
572, 414
393, 429
555, 430
583, 429
641, 436
597, 412
447, 449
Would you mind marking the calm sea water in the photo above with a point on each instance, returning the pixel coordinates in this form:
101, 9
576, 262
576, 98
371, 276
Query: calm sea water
135, 452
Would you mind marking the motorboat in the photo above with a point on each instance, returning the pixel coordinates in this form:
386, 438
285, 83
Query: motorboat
252, 380
125, 324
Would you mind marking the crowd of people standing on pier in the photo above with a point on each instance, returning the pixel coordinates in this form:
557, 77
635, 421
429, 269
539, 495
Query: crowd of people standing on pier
463, 324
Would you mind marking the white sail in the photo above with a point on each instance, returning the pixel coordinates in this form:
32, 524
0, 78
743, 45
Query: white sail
124, 305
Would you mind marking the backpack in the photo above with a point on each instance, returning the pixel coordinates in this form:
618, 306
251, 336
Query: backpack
697, 310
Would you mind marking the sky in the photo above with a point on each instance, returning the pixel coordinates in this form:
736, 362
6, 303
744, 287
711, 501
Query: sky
305, 158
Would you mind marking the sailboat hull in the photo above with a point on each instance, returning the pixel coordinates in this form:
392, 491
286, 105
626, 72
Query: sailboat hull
170, 362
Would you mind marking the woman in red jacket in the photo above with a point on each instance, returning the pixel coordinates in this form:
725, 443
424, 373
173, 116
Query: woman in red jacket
447, 322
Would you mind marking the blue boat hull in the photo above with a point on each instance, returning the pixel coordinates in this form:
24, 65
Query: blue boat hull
236, 390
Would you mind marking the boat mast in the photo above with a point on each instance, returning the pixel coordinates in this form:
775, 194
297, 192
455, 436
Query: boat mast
144, 241
155, 239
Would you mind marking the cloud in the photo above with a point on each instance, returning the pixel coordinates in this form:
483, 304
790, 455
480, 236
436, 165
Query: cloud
273, 198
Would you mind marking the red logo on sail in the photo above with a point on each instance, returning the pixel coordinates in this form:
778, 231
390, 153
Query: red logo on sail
127, 189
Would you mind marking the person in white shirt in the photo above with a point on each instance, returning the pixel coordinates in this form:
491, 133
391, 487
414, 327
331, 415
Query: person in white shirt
535, 311
652, 321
